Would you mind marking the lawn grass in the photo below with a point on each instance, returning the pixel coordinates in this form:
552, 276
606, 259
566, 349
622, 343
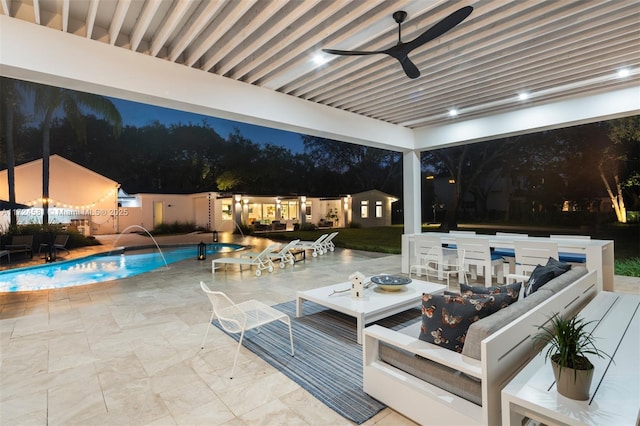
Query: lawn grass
387, 239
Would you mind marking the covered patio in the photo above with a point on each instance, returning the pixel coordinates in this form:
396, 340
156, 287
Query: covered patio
509, 68
130, 349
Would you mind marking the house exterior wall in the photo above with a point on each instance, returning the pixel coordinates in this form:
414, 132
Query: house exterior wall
377, 205
153, 209
91, 206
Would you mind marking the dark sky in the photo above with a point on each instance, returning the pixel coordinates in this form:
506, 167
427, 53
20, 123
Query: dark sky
139, 115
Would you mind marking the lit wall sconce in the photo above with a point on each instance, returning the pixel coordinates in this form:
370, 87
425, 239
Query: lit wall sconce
215, 236
202, 251
238, 197
452, 181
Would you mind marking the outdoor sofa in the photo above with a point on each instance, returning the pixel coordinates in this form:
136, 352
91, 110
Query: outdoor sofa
435, 385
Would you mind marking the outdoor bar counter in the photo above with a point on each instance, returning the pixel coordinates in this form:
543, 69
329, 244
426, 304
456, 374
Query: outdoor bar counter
598, 253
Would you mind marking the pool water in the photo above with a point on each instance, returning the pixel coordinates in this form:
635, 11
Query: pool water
99, 268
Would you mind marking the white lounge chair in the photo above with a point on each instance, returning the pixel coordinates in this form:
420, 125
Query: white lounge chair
284, 255
316, 246
261, 261
281, 255
327, 244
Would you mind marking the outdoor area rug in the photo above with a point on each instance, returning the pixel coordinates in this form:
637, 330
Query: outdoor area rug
328, 359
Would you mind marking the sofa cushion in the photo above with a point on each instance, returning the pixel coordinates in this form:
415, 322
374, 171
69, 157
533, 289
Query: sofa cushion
512, 290
432, 372
483, 328
539, 277
445, 318
559, 283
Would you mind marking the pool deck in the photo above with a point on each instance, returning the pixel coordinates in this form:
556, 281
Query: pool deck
128, 351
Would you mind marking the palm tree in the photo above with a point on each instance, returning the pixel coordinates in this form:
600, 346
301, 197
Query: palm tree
49, 100
10, 93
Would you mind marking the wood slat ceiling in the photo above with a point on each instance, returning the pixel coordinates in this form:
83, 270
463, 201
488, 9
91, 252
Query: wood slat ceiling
550, 49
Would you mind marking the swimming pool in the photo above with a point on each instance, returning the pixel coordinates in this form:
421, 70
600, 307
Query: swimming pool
99, 268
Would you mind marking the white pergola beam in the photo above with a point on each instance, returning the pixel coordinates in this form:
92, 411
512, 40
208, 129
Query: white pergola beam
586, 109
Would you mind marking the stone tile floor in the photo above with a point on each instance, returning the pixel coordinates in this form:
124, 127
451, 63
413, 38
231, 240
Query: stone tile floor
128, 351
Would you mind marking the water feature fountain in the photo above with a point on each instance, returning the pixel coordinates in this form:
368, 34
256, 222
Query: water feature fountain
239, 228
148, 233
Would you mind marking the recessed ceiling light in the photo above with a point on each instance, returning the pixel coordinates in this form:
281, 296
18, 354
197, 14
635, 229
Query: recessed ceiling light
523, 96
624, 72
453, 112
319, 59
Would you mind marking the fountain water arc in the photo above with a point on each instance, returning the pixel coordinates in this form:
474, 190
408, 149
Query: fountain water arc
148, 233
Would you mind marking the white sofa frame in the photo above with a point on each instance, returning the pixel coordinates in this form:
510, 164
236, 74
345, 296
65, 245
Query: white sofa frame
503, 354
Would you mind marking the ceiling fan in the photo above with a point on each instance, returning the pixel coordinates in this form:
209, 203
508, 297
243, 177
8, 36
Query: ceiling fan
401, 50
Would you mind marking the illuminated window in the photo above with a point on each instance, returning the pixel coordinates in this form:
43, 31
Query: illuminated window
378, 208
289, 210
364, 209
226, 210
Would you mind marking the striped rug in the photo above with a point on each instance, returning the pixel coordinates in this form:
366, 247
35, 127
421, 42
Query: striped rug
328, 359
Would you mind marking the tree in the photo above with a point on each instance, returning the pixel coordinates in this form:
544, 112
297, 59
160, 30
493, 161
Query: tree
465, 165
620, 163
355, 167
50, 100
10, 100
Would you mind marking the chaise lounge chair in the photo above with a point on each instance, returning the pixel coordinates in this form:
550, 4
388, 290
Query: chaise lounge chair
316, 246
283, 254
260, 260
327, 244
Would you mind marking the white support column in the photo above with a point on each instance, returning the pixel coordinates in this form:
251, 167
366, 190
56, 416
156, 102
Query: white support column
411, 192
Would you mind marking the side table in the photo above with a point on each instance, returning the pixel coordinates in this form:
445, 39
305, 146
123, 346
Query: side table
615, 389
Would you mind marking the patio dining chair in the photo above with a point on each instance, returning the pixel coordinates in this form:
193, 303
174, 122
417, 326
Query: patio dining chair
530, 254
478, 259
59, 244
241, 317
431, 258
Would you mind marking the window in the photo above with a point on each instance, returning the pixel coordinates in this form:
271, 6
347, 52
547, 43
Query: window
308, 212
364, 209
226, 210
378, 208
289, 210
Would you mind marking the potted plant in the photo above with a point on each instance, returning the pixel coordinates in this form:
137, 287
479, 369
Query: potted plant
568, 343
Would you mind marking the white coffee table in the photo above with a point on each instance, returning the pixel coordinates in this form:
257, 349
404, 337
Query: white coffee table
375, 305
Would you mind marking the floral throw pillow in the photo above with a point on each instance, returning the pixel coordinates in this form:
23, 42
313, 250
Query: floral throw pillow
512, 290
446, 318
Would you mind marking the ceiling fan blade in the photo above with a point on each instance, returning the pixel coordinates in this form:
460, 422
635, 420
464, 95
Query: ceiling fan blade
409, 67
352, 52
438, 29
